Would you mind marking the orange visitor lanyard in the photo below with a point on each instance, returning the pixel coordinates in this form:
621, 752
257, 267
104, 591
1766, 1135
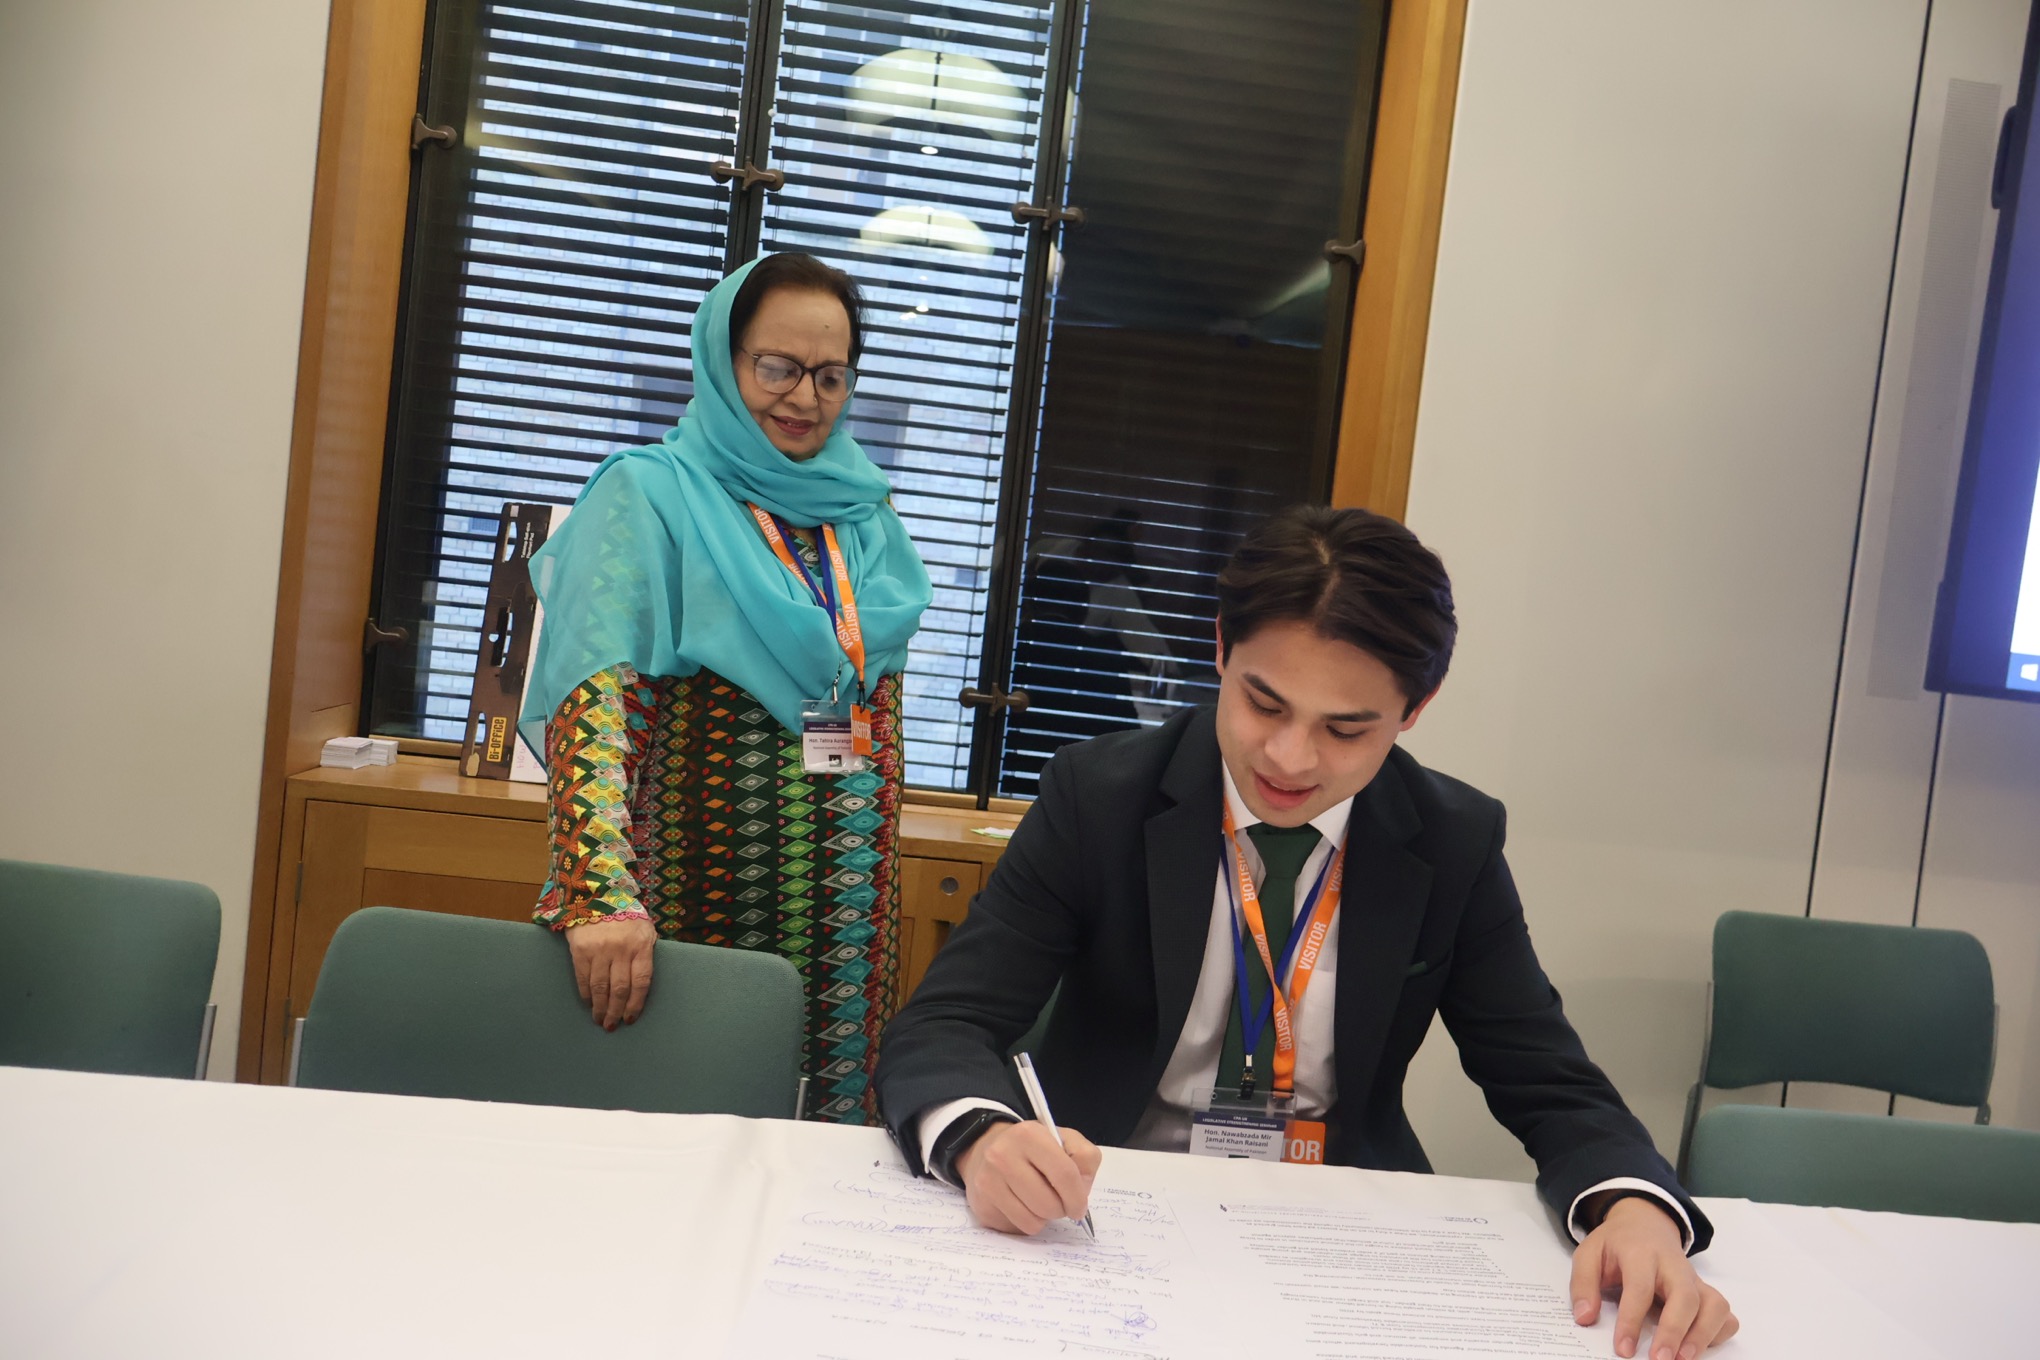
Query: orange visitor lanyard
1313, 943
844, 615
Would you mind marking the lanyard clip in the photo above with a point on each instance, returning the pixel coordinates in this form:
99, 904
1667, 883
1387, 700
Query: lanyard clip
1247, 1077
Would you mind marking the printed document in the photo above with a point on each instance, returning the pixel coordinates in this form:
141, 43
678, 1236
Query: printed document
882, 1265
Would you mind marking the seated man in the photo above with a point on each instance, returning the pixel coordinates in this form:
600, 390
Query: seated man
1156, 879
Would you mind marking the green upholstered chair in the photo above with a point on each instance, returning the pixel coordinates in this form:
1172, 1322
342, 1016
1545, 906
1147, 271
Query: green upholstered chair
419, 1003
1866, 1161
1892, 1008
105, 972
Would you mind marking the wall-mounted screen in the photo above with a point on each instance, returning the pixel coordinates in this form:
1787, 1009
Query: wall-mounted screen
1987, 619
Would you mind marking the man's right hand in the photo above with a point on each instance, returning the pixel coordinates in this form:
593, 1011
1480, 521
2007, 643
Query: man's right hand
613, 968
1017, 1180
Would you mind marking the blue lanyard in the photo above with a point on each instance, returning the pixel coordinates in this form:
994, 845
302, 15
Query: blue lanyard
825, 592
1252, 1022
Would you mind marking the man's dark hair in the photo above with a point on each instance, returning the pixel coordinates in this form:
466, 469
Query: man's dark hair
1353, 576
793, 269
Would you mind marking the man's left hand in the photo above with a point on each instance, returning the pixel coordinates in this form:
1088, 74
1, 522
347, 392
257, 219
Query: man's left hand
1639, 1250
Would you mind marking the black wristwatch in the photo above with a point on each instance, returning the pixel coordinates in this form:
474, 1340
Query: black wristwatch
963, 1130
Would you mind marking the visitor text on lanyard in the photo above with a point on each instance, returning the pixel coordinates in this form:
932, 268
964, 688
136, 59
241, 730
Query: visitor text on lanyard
1306, 943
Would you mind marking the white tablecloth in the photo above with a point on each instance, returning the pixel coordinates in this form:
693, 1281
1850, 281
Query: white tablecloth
141, 1217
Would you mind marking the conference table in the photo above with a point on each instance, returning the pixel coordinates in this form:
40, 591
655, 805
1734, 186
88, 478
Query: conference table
143, 1217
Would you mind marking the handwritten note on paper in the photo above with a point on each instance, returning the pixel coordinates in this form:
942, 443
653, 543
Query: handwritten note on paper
1369, 1287
883, 1265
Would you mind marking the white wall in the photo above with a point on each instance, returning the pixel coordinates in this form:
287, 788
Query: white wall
1977, 867
1653, 359
156, 166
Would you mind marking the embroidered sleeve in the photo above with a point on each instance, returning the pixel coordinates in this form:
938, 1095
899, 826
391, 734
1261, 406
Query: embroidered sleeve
594, 742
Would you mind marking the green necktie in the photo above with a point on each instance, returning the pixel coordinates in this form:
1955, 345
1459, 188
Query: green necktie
1283, 850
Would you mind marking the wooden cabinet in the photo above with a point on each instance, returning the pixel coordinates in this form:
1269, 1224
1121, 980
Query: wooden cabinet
417, 834
934, 894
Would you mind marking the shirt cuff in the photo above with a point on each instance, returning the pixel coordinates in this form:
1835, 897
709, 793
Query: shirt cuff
587, 911
1641, 1187
936, 1118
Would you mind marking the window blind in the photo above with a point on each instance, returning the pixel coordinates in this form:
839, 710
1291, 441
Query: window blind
561, 248
907, 133
1178, 348
1189, 381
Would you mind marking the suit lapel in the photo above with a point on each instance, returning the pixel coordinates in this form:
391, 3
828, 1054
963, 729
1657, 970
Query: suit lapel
1386, 891
1182, 868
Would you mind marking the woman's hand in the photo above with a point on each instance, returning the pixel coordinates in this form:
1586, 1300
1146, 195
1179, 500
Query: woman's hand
613, 968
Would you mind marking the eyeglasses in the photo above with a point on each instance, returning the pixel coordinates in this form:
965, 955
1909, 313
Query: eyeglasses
779, 375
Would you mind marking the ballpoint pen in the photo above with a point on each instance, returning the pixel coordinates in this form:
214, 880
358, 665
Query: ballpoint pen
1024, 1065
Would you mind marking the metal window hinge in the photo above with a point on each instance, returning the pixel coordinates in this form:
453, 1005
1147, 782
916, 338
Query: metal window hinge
423, 132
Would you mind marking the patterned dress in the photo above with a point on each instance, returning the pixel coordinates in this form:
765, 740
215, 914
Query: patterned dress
682, 801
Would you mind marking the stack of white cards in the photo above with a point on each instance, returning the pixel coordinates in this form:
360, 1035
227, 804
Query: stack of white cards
354, 753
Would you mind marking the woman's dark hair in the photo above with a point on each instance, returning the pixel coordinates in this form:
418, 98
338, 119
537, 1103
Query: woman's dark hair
806, 273
1353, 576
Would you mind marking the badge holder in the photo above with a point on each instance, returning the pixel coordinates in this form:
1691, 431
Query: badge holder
1240, 1122
835, 736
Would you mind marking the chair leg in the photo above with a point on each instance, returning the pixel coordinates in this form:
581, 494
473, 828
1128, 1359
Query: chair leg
1693, 1096
297, 1045
1990, 1077
1686, 1131
212, 1011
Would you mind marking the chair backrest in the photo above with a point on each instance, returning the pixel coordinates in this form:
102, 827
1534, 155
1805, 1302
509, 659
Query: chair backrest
1866, 1161
420, 1003
1892, 1008
104, 972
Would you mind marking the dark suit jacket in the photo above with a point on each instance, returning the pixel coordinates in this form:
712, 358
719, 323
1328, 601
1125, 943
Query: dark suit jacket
1107, 887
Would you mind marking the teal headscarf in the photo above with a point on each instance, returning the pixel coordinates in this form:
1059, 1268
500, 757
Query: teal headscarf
662, 567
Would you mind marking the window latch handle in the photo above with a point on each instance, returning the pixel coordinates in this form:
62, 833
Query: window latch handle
374, 635
722, 172
1048, 218
993, 699
423, 132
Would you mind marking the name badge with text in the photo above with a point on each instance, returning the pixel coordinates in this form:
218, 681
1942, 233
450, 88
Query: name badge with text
835, 738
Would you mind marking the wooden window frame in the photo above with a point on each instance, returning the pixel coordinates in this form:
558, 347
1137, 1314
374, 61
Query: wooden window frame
355, 267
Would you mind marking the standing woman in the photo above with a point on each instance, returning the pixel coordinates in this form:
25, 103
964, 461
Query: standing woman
716, 608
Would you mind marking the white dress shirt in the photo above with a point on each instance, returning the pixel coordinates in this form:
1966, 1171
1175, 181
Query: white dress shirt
1193, 1068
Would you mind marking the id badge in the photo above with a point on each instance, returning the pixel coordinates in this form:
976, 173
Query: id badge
1237, 1131
1264, 1130
829, 739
